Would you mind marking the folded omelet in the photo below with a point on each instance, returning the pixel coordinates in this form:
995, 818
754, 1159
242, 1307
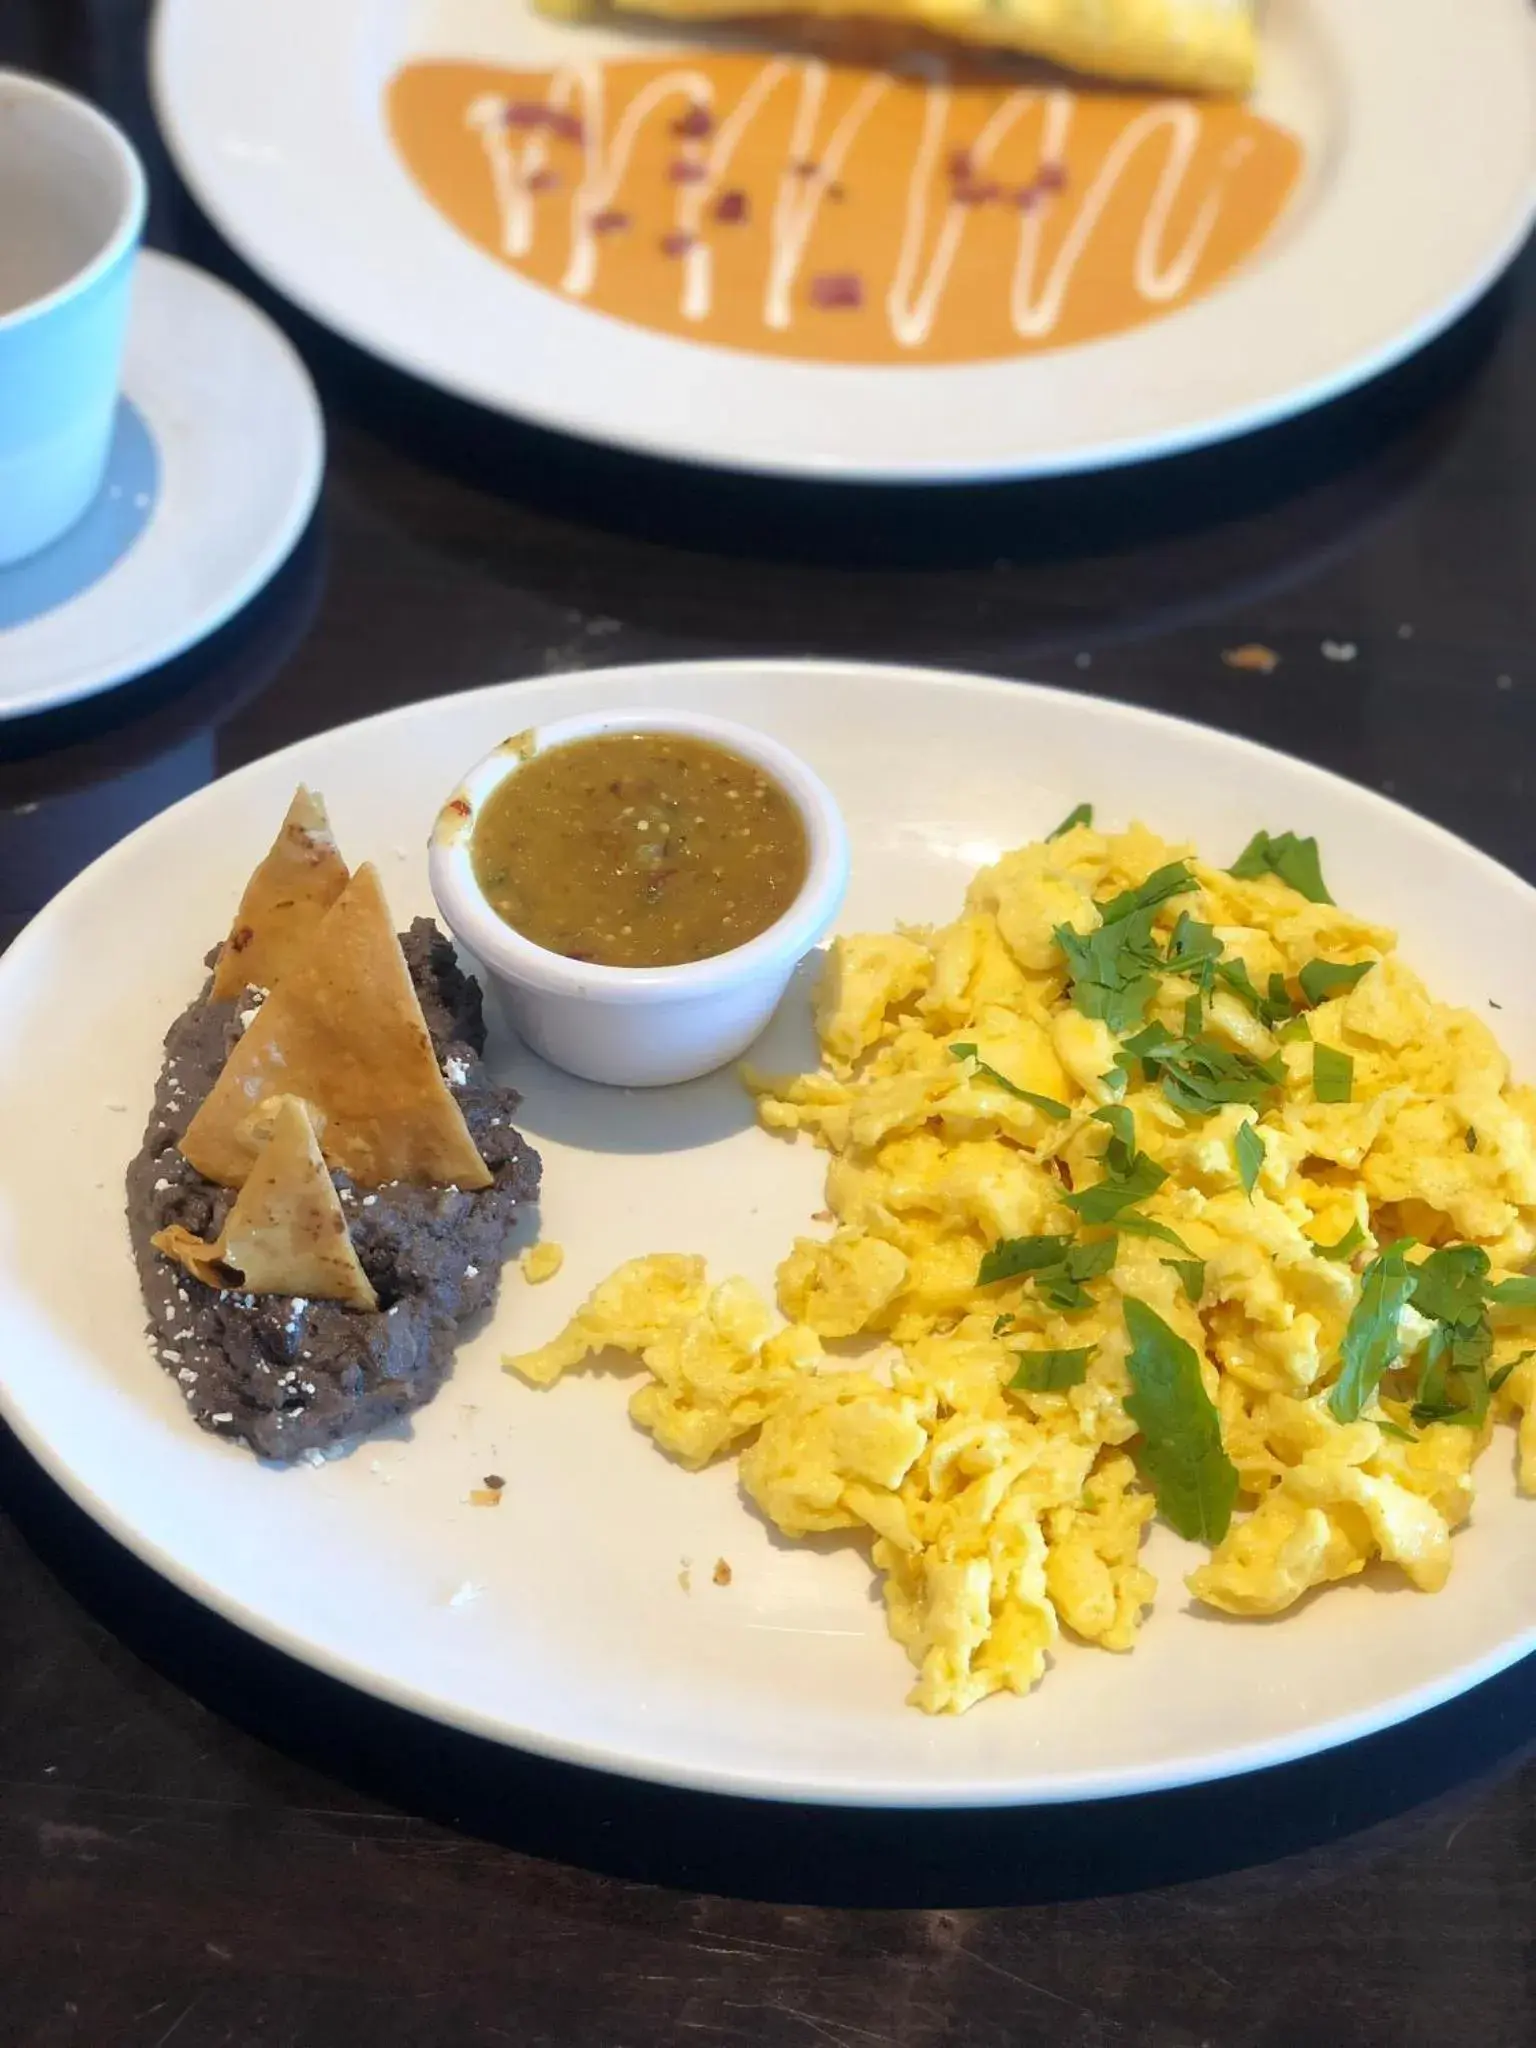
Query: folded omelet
1198, 45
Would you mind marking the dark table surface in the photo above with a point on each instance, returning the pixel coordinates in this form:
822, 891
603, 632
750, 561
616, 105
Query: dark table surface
203, 1844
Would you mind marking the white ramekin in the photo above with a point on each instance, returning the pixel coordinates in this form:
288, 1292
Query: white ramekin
639, 1027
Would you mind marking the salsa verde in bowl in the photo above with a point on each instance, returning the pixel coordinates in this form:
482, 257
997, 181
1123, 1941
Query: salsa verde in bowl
639, 886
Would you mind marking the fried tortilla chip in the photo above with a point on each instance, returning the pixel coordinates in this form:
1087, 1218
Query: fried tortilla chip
344, 1030
287, 1232
284, 901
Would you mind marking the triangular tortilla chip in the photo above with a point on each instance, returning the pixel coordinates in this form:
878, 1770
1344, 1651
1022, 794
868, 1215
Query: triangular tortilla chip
287, 1232
343, 1029
284, 901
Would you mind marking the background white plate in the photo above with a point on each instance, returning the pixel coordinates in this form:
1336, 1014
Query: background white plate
582, 1644
1420, 125
241, 446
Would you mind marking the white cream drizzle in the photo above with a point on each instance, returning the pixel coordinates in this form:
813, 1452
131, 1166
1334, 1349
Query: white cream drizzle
516, 160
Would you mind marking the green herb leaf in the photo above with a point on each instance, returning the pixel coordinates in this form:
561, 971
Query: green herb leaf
1003, 1322
1197, 1075
1180, 1453
1346, 1247
1294, 860
1112, 971
1051, 1372
1173, 880
1089, 1261
1194, 1015
1193, 950
1449, 1286
1497, 1379
1103, 1202
1057, 1266
1046, 1104
1011, 1256
1514, 1293
1248, 1151
1271, 1009
1292, 1029
1080, 814
1144, 1226
1404, 1436
1121, 1149
1192, 1273
1321, 979
1453, 1384
1471, 1139
1333, 1073
1371, 1341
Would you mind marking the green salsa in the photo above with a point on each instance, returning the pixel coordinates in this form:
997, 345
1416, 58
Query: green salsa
640, 849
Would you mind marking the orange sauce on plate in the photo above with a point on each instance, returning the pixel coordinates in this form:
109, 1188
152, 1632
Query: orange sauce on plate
836, 213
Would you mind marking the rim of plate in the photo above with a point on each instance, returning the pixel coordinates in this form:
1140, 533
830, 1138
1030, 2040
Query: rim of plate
138, 615
1013, 1789
1433, 126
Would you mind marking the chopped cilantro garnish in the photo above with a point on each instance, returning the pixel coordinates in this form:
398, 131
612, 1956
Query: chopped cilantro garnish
1294, 860
1513, 1293
1113, 971
1270, 1009
1248, 1151
1001, 1323
1194, 1015
1080, 814
1146, 1226
1192, 1273
1471, 1139
1056, 1265
1453, 1385
1180, 1452
1371, 1340
1346, 1247
1011, 1256
1333, 1073
1194, 949
1321, 979
1051, 1372
1129, 1176
1197, 1074
1404, 1436
1046, 1104
1293, 1028
1449, 1285
1174, 879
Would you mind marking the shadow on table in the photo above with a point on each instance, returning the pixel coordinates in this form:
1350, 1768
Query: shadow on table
740, 1848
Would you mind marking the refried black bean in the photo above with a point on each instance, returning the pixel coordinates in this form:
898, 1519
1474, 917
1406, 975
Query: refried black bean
294, 1378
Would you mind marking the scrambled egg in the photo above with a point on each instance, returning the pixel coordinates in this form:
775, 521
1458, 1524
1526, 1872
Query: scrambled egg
977, 1428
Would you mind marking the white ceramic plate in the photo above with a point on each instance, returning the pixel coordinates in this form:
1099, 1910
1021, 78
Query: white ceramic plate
582, 1645
223, 447
1420, 130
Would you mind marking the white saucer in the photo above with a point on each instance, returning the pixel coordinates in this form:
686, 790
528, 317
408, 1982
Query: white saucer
214, 472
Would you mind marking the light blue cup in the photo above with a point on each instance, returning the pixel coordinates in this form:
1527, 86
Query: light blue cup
72, 199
